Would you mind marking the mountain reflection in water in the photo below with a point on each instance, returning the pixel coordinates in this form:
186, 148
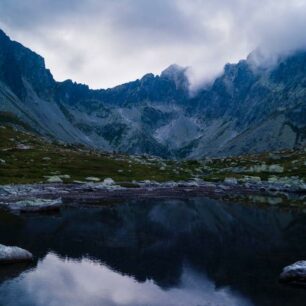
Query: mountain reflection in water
155, 252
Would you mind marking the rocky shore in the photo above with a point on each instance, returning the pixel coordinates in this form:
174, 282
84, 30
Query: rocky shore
37, 198
44, 197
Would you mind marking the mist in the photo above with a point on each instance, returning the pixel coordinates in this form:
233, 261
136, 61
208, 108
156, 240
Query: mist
104, 43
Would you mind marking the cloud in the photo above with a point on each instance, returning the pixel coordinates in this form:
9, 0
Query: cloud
105, 42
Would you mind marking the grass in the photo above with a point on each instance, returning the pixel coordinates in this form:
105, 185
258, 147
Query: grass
26, 158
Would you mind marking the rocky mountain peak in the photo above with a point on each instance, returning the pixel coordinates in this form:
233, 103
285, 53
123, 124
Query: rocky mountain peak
155, 114
148, 77
20, 65
3, 35
177, 74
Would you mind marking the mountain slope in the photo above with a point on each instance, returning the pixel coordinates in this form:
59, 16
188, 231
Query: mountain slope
247, 109
259, 109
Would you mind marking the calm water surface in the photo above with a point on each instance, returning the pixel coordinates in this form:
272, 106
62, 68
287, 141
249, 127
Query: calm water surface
196, 252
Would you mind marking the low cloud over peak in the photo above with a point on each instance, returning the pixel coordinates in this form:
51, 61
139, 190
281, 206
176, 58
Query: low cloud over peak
104, 42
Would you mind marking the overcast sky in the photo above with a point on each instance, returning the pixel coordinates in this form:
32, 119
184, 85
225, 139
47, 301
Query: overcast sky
104, 43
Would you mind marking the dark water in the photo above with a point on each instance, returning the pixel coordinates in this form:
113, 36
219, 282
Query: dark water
190, 253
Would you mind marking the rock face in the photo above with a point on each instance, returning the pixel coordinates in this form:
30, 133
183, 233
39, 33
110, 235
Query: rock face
294, 274
14, 255
247, 109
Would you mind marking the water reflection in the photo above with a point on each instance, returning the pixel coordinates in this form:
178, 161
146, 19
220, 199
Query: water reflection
87, 283
193, 252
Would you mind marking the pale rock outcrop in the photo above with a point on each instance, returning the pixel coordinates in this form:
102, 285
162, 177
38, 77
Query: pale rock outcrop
231, 181
54, 179
294, 274
92, 179
36, 205
14, 255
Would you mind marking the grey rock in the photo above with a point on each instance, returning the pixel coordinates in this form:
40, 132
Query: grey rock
36, 205
231, 181
294, 274
9, 255
54, 179
92, 179
243, 111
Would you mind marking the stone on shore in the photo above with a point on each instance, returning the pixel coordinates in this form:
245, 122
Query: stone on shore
267, 168
109, 181
54, 179
251, 179
36, 205
9, 255
294, 274
231, 181
92, 179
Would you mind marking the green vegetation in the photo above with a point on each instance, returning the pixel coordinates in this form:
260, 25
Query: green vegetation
9, 118
26, 158
281, 164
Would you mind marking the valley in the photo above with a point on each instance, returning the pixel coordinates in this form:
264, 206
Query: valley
152, 153
248, 109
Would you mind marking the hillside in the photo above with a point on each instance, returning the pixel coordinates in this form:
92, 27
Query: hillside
26, 158
248, 109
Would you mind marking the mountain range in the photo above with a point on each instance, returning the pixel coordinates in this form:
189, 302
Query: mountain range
247, 109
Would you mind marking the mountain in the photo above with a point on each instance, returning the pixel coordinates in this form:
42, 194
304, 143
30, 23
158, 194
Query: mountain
247, 109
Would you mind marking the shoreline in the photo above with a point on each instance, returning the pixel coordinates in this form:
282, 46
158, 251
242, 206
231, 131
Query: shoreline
98, 192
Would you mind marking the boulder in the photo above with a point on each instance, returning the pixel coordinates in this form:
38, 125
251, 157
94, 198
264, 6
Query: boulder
276, 169
251, 179
64, 176
36, 205
54, 179
92, 179
22, 146
266, 168
258, 168
294, 274
14, 255
230, 181
109, 181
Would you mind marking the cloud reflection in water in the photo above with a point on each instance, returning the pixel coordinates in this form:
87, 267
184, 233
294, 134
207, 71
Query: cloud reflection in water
65, 282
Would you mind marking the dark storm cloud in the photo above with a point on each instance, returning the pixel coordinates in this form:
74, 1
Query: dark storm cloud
107, 42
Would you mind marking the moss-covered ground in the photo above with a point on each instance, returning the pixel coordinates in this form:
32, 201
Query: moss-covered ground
26, 158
